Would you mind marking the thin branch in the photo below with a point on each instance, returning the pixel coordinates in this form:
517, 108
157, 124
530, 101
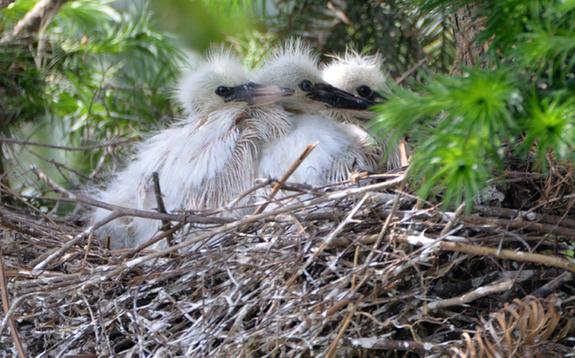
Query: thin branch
493, 288
293, 167
36, 19
389, 344
166, 225
124, 211
520, 224
332, 350
504, 254
6, 308
84, 148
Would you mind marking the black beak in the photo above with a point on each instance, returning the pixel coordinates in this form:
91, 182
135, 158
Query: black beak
337, 98
256, 94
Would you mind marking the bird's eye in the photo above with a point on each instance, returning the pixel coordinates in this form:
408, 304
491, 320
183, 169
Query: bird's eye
223, 91
365, 92
305, 85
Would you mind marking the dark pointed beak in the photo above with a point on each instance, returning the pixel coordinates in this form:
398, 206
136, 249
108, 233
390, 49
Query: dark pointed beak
336, 98
256, 94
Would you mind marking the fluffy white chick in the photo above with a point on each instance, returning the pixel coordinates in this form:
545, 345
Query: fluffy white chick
205, 160
339, 151
362, 75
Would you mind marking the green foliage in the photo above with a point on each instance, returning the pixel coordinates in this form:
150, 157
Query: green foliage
96, 71
462, 121
459, 124
200, 23
399, 30
550, 128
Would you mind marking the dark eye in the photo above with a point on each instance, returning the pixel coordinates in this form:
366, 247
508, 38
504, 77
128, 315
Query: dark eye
223, 91
365, 92
305, 85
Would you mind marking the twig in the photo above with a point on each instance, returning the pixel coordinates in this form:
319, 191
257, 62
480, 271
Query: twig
40, 16
242, 195
552, 285
293, 167
453, 220
152, 241
327, 241
409, 72
6, 308
66, 148
497, 287
503, 254
389, 344
333, 347
124, 211
527, 215
403, 153
381, 234
37, 270
166, 225
520, 224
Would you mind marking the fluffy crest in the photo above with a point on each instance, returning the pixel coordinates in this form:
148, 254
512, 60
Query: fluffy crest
354, 70
294, 57
289, 65
196, 89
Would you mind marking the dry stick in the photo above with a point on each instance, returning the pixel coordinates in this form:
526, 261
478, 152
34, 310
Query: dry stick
552, 285
527, 215
496, 287
381, 234
333, 346
254, 218
409, 72
453, 220
403, 156
242, 195
8, 316
166, 224
124, 211
521, 224
6, 307
285, 177
152, 241
35, 19
327, 241
503, 254
390, 345
37, 270
385, 226
66, 148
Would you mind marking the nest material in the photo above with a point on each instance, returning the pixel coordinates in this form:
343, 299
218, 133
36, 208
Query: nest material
351, 272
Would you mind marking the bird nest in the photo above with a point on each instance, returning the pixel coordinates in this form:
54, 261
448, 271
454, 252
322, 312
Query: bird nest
357, 269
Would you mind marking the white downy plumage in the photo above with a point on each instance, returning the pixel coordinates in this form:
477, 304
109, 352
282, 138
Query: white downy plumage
204, 161
340, 150
361, 75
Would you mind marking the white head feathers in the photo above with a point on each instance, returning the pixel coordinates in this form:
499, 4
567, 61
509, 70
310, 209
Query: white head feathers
354, 70
196, 90
288, 66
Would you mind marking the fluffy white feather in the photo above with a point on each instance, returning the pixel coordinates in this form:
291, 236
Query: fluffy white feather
203, 162
348, 73
340, 149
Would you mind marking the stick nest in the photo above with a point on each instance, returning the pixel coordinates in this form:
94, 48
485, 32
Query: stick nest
356, 270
